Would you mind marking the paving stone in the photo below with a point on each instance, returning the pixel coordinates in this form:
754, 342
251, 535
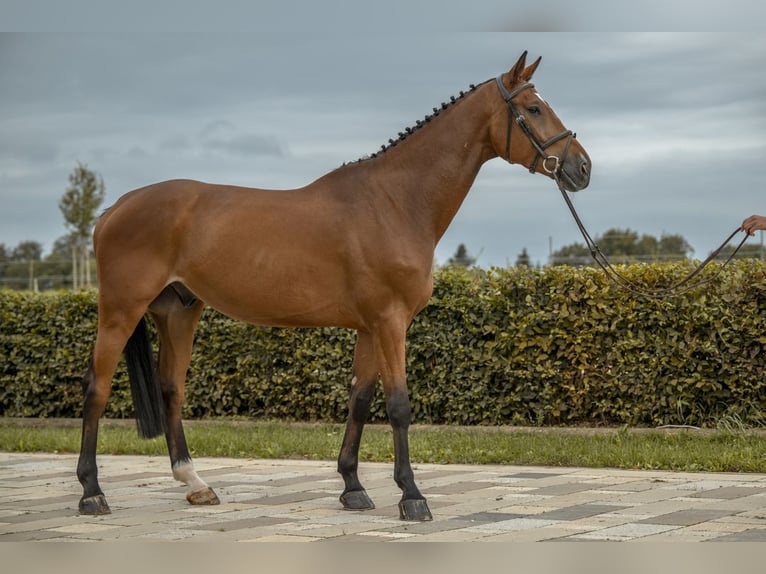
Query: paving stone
751, 535
578, 512
288, 498
488, 517
241, 524
298, 501
281, 538
513, 524
555, 532
430, 527
626, 532
687, 517
559, 489
459, 488
532, 475
729, 492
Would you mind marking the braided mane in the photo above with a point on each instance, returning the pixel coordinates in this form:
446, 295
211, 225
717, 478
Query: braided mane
418, 124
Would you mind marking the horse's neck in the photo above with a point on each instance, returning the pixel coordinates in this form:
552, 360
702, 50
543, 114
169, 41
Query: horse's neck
429, 173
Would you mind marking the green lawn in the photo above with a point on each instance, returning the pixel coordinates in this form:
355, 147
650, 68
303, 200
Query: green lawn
677, 449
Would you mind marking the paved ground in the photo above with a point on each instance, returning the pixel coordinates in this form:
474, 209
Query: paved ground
275, 500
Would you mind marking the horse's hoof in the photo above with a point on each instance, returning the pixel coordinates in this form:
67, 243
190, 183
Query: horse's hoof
414, 509
94, 505
206, 496
356, 500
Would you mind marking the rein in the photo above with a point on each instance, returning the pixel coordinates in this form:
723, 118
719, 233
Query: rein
553, 165
681, 286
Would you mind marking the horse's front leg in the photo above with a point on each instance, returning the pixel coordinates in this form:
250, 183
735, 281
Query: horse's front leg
390, 348
354, 496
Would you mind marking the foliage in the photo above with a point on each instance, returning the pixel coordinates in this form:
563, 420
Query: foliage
79, 206
626, 246
547, 346
22, 268
461, 257
18, 264
748, 250
81, 200
523, 258
27, 251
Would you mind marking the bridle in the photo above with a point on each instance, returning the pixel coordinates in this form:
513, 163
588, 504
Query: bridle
554, 166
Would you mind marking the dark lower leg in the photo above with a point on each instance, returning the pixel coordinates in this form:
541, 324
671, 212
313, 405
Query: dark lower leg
413, 504
354, 496
93, 500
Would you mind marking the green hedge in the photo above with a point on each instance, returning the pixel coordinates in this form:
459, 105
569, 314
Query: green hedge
508, 346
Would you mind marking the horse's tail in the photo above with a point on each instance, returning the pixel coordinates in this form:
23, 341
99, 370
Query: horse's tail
144, 383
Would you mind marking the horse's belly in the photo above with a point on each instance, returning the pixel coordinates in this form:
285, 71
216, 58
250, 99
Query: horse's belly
287, 301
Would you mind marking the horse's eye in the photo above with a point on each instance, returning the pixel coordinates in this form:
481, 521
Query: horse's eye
534, 110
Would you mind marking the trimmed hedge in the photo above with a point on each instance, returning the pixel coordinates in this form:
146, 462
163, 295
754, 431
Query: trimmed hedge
557, 345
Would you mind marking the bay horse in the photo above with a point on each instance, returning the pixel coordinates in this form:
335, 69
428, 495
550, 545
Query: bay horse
354, 249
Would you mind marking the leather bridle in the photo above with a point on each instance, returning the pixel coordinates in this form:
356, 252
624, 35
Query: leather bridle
552, 164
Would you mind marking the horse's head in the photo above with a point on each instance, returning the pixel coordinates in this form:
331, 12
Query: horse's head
529, 132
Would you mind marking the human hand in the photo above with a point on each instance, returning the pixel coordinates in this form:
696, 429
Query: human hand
753, 224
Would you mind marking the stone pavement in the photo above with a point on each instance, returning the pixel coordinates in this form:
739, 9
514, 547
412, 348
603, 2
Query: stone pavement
296, 500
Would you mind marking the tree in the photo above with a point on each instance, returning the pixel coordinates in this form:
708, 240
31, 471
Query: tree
574, 254
18, 266
79, 206
27, 251
461, 257
523, 259
626, 246
58, 264
747, 251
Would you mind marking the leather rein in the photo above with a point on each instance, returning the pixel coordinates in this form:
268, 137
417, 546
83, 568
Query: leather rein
553, 165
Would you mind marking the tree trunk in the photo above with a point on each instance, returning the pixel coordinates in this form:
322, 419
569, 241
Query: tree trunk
74, 267
86, 254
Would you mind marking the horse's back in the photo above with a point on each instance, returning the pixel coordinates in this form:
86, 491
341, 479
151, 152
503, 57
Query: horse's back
176, 207
226, 243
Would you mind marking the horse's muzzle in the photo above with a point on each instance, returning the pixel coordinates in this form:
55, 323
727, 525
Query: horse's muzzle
575, 172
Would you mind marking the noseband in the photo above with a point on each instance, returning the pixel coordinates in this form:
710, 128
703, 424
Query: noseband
552, 164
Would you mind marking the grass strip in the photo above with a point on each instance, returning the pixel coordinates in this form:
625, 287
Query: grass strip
677, 449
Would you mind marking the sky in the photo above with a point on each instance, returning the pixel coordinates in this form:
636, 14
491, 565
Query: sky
675, 123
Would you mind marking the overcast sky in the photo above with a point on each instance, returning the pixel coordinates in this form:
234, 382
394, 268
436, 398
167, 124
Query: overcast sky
675, 123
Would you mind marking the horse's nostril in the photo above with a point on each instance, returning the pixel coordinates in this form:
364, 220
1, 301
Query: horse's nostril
585, 168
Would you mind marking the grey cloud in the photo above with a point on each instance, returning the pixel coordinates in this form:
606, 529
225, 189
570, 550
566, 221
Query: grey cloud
254, 145
26, 149
176, 142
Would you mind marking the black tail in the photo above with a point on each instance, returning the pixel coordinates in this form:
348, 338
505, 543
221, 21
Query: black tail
144, 383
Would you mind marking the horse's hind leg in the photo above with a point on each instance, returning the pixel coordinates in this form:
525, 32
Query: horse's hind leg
113, 333
354, 496
175, 326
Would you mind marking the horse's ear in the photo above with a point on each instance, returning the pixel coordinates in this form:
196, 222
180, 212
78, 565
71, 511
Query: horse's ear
526, 75
518, 68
